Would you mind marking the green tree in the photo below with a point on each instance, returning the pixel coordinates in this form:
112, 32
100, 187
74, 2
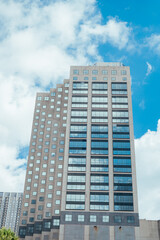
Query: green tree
7, 234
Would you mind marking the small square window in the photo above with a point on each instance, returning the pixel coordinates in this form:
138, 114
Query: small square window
50, 179
130, 219
123, 72
47, 225
42, 190
46, 98
31, 219
50, 187
56, 211
24, 222
59, 89
86, 78
49, 205
61, 150
53, 154
53, 94
80, 218
85, 72
66, 84
113, 79
41, 199
105, 78
59, 183
124, 79
39, 217
75, 78
58, 193
59, 175
58, 202
48, 214
40, 207
117, 219
93, 218
50, 195
104, 72
105, 218
32, 210
113, 72
68, 218
76, 72
56, 222
95, 72
94, 78
25, 213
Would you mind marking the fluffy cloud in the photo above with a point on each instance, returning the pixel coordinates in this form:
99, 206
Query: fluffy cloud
42, 42
148, 169
149, 68
38, 43
153, 42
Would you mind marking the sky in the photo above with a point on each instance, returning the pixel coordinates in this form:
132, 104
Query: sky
40, 40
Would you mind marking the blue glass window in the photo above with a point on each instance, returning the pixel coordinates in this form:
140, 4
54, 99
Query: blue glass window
99, 164
99, 201
123, 202
122, 164
119, 86
77, 146
99, 147
78, 131
121, 147
122, 182
99, 182
99, 131
80, 85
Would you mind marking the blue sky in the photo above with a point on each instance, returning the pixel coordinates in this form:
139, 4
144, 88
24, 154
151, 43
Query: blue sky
40, 40
143, 18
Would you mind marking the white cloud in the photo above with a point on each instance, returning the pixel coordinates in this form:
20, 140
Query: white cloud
148, 169
153, 42
149, 68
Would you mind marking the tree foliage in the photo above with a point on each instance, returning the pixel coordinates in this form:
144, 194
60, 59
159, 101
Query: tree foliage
7, 234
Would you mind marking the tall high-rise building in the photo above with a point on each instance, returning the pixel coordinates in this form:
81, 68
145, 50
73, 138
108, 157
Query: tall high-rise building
81, 176
10, 210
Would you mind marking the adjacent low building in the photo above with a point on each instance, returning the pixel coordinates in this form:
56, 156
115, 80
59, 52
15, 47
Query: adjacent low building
10, 210
148, 230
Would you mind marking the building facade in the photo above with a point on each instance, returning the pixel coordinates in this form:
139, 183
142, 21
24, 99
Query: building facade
10, 210
81, 176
